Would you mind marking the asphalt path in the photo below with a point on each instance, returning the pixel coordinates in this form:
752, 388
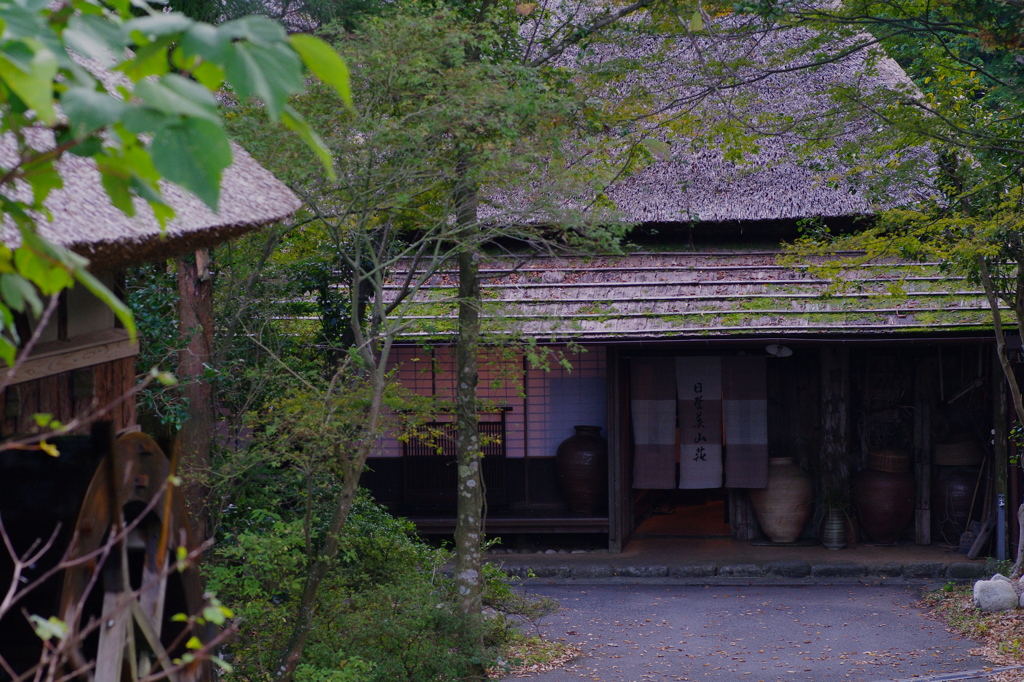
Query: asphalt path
634, 633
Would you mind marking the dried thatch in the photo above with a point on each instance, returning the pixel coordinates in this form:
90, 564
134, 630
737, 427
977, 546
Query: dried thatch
781, 105
83, 219
704, 295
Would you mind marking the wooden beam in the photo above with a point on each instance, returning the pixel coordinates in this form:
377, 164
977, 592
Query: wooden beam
90, 349
619, 491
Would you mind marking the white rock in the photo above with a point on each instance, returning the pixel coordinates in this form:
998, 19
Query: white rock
994, 595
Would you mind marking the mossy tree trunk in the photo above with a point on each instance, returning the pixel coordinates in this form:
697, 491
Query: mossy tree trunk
469, 517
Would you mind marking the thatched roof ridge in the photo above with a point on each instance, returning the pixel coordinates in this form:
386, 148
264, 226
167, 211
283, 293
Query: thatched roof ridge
779, 104
83, 219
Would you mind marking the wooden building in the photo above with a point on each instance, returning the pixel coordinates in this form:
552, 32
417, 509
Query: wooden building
821, 364
63, 508
84, 360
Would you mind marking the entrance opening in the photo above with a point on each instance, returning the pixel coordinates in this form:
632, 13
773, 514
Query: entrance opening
681, 513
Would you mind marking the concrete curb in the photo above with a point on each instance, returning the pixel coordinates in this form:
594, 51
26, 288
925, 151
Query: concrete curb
793, 572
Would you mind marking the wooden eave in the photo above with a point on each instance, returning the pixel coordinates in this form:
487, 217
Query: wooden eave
692, 295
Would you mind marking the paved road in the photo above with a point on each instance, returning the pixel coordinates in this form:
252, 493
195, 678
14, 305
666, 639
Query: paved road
634, 633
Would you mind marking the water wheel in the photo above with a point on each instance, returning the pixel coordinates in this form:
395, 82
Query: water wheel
126, 516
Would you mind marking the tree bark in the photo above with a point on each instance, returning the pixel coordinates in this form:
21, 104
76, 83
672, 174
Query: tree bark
195, 329
470, 494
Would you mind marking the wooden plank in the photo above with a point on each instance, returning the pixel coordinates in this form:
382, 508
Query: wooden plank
982, 539
65, 356
29, 394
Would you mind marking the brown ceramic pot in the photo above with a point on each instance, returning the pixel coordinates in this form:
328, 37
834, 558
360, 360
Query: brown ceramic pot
784, 506
582, 464
885, 503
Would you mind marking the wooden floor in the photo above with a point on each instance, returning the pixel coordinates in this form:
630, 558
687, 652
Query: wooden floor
685, 521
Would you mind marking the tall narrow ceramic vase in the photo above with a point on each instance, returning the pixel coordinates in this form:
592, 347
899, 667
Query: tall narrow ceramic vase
784, 506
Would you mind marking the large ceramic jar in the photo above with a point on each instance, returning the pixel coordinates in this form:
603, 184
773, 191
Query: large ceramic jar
582, 464
952, 492
884, 495
784, 506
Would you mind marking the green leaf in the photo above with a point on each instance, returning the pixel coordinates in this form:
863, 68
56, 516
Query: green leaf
89, 111
149, 60
160, 25
255, 29
95, 37
193, 153
193, 643
270, 74
294, 120
33, 86
206, 42
321, 59
697, 21
173, 94
42, 177
48, 628
8, 351
18, 294
661, 150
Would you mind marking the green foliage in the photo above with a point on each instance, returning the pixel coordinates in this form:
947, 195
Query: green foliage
152, 296
386, 612
143, 110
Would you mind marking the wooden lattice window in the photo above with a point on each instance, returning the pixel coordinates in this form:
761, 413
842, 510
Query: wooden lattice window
430, 471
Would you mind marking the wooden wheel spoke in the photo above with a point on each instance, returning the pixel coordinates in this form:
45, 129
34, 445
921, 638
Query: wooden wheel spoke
132, 642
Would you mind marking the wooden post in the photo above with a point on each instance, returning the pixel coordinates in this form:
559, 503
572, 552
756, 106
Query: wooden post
925, 372
1000, 438
835, 407
195, 327
620, 517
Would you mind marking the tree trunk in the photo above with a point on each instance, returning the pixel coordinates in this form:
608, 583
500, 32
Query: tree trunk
1011, 381
195, 328
470, 494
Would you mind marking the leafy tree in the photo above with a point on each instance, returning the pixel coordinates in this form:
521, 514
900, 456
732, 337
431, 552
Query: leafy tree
965, 103
439, 116
170, 129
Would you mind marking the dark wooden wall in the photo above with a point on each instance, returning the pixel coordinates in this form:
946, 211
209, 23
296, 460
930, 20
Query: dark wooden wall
68, 395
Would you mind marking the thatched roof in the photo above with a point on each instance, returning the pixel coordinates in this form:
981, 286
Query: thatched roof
713, 294
774, 105
83, 219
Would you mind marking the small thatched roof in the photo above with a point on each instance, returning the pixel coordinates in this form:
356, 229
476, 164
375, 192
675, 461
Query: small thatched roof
776, 103
84, 220
713, 294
